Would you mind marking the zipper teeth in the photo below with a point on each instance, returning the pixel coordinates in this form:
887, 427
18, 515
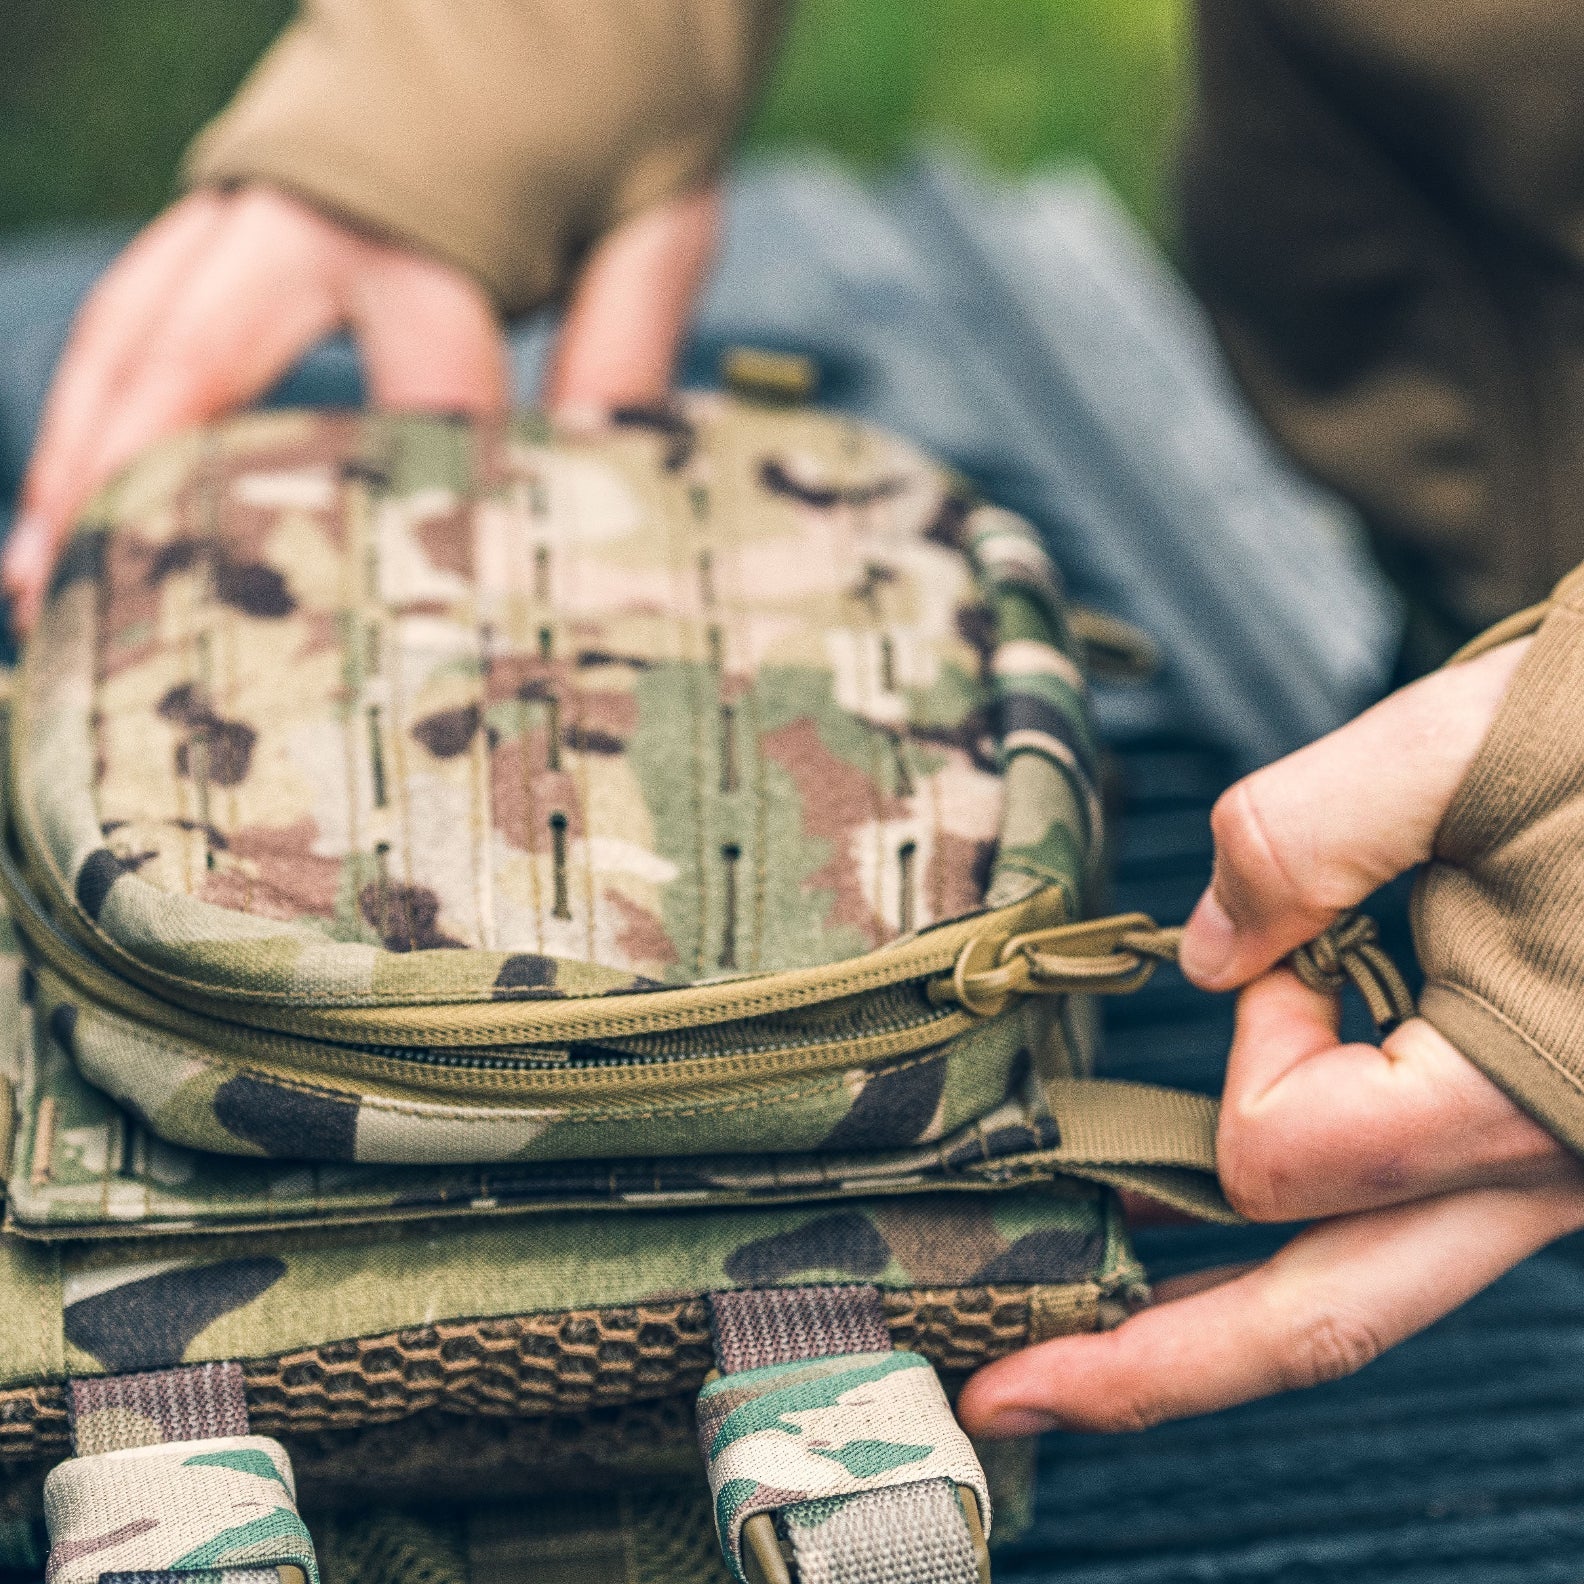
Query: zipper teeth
823, 1046
594, 1055
896, 1010
905, 1019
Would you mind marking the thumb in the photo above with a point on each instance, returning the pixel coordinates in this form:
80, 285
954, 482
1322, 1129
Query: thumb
1318, 831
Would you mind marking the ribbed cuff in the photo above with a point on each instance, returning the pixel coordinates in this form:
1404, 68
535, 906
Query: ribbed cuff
1525, 1072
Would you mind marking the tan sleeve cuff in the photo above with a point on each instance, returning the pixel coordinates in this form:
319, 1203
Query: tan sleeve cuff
502, 135
1499, 913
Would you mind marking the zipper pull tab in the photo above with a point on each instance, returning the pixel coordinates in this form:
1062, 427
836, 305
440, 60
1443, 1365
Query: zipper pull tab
1108, 956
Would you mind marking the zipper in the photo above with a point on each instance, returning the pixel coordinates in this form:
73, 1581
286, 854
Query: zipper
85, 956
603, 1075
908, 1021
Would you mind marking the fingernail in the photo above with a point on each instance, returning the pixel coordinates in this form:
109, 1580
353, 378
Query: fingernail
1012, 1422
1209, 943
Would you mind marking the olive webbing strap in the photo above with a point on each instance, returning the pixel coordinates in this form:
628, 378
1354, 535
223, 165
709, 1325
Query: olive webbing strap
917, 1530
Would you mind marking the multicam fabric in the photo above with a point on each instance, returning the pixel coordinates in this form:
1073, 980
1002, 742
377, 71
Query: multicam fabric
178, 1507
191, 1093
707, 691
116, 1307
84, 1161
342, 717
823, 1428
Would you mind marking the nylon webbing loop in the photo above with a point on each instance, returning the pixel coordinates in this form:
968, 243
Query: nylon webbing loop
113, 1412
833, 1457
772, 1325
168, 1485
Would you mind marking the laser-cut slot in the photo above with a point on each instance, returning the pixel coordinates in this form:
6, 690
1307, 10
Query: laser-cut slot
198, 765
382, 886
717, 648
904, 776
731, 853
699, 500
376, 756
538, 496
552, 733
558, 863
43, 1163
887, 663
127, 1149
541, 572
907, 854
728, 748
372, 656
706, 575
546, 643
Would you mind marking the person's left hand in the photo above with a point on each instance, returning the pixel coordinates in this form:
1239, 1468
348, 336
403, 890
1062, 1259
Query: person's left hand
1426, 1182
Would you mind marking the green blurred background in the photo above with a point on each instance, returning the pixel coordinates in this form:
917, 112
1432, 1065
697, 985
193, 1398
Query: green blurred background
99, 97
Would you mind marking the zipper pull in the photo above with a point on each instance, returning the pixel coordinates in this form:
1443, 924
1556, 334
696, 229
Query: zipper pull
1113, 956
1110, 956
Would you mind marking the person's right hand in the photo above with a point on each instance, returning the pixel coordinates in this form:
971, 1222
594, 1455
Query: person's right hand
1422, 1180
222, 294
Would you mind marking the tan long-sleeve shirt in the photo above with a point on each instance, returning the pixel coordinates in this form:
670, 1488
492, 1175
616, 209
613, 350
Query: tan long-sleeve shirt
502, 135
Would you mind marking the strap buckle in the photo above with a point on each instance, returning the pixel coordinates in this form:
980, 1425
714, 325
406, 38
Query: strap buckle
768, 1559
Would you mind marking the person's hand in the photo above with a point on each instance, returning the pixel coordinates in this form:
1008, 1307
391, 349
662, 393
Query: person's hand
1431, 1182
211, 304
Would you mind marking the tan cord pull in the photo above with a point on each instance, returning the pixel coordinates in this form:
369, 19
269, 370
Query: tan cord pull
1351, 949
1114, 956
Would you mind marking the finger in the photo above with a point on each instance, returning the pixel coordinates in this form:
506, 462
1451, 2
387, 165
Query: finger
429, 338
1330, 1301
1313, 1128
256, 295
263, 291
630, 308
1318, 831
107, 333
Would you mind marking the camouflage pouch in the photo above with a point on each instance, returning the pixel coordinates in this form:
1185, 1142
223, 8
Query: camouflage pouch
681, 829
405, 793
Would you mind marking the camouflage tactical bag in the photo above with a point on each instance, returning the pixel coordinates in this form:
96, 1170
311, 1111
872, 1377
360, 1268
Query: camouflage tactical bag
521, 929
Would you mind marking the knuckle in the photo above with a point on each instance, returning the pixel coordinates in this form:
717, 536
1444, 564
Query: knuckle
1328, 1344
1126, 1413
1250, 1176
1252, 850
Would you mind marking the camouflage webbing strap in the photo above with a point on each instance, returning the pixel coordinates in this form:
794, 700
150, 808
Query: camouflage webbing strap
168, 1487
834, 1457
